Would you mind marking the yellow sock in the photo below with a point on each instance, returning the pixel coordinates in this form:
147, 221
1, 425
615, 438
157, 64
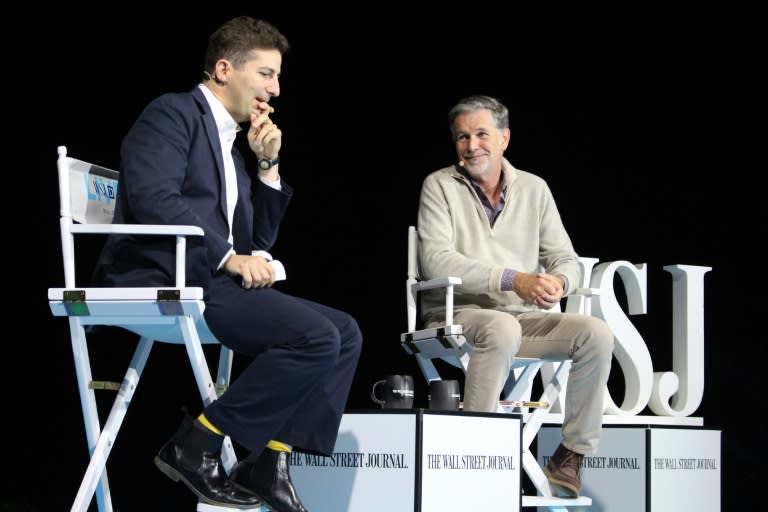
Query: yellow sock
278, 446
207, 424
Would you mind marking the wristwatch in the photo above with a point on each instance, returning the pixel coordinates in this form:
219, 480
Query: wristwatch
266, 163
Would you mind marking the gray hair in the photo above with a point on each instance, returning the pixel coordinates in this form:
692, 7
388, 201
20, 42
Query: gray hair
475, 103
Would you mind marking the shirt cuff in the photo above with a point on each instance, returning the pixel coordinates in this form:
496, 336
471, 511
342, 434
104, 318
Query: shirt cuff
225, 258
508, 279
277, 184
263, 254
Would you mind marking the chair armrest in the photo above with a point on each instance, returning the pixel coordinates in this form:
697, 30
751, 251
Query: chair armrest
586, 292
180, 232
440, 282
138, 229
580, 300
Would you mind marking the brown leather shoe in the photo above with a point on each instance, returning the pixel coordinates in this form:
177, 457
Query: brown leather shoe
563, 471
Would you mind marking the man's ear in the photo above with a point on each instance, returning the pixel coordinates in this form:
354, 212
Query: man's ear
506, 134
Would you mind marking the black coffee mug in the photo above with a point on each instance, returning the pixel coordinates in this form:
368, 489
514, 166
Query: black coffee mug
397, 392
444, 395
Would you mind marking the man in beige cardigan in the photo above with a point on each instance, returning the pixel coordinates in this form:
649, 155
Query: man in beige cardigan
499, 230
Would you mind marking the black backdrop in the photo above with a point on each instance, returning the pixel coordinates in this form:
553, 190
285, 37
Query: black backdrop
632, 122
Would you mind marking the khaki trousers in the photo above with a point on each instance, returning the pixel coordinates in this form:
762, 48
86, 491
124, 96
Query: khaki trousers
497, 337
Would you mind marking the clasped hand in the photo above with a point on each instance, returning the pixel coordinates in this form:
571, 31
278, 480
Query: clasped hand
543, 290
255, 270
264, 137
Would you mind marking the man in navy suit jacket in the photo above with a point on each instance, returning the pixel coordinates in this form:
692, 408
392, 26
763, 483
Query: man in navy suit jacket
179, 166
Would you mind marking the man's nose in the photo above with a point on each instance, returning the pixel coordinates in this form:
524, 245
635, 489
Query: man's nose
274, 88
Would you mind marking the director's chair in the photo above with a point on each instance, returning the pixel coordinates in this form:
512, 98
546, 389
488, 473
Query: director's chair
447, 343
87, 195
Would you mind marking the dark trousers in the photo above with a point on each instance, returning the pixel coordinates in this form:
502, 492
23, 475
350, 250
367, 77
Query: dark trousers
304, 357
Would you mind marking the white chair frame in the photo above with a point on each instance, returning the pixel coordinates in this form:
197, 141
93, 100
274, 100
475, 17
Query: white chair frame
166, 314
447, 342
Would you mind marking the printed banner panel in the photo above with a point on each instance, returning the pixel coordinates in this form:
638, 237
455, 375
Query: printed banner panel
373, 467
470, 463
415, 460
614, 477
685, 470
647, 469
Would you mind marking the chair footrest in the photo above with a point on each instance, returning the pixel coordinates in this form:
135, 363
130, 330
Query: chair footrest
509, 405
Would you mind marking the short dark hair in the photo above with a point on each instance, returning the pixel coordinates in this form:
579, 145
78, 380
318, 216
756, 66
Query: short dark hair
238, 37
478, 102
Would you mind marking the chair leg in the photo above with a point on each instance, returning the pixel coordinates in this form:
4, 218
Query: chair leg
100, 442
90, 414
532, 426
550, 393
224, 374
520, 382
427, 369
536, 474
204, 381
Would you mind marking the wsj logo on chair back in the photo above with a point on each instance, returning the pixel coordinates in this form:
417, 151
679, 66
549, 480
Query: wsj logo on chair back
98, 205
102, 193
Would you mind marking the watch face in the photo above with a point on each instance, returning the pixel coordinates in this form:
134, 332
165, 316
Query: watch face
266, 163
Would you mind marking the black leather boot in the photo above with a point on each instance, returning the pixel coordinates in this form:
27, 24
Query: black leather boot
193, 455
269, 477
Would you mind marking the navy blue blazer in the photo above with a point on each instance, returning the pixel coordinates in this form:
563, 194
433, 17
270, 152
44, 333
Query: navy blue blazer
172, 172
